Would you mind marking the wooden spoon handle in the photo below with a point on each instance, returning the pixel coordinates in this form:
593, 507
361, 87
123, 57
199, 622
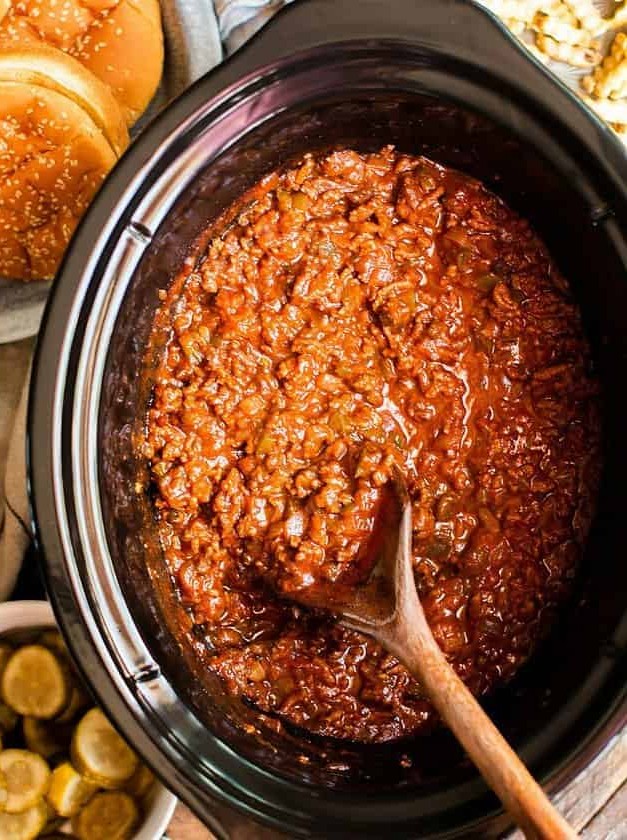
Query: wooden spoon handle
412, 642
409, 637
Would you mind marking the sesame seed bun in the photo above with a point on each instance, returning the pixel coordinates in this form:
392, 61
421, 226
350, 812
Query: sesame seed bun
120, 41
56, 71
61, 131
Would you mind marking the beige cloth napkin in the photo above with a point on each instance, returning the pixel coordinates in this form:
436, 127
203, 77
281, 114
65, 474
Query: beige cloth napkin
14, 513
16, 533
238, 20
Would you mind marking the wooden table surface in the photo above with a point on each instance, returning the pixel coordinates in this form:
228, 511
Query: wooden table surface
595, 802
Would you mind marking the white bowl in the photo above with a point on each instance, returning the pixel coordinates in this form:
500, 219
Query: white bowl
159, 805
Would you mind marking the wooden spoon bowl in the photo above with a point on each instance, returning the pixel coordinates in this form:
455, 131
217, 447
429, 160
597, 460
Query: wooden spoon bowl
385, 605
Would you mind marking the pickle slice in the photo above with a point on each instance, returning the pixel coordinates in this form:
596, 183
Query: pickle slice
6, 652
54, 823
68, 791
4, 793
53, 829
140, 782
27, 776
35, 682
78, 701
110, 815
44, 738
100, 754
25, 825
8, 718
53, 640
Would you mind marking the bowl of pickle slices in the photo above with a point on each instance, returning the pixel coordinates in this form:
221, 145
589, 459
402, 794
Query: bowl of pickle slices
64, 769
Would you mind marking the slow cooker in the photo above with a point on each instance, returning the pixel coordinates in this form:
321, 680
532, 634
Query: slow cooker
434, 77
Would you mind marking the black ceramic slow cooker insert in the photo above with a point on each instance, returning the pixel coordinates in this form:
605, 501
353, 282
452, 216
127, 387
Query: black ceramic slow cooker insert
434, 77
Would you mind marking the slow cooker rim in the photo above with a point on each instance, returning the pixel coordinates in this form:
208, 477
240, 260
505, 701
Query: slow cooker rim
57, 303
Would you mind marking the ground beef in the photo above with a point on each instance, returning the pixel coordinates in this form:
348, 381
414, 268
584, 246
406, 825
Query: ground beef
353, 314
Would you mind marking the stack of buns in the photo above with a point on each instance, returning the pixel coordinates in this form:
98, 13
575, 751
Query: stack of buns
75, 75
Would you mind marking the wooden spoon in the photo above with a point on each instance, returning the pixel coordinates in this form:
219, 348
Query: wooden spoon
386, 606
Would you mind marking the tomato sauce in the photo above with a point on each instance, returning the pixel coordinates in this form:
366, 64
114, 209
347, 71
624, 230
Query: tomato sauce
352, 315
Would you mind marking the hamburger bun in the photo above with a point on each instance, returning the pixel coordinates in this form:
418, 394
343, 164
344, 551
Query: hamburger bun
120, 41
61, 131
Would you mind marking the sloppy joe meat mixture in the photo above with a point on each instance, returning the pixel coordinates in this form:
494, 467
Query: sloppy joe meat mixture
353, 314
